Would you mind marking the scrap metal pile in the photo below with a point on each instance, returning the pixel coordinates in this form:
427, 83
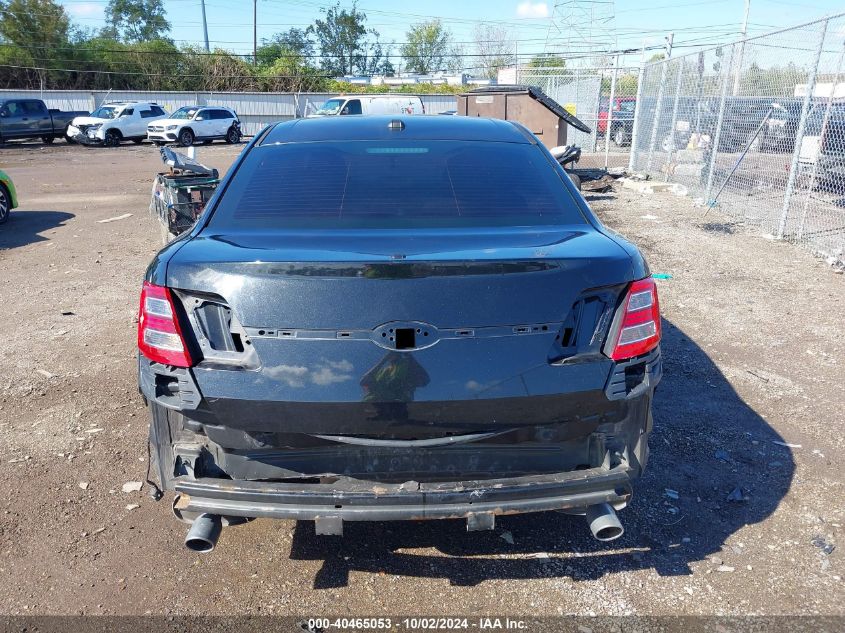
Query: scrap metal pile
179, 195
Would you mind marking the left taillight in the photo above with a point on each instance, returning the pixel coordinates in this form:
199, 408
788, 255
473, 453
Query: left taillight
160, 338
639, 331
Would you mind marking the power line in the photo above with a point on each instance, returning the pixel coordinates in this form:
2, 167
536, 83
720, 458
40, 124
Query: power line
565, 53
192, 76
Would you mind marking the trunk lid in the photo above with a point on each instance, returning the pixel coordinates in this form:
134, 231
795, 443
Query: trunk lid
352, 279
407, 335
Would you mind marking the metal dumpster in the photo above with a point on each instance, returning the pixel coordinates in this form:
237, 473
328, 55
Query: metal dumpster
528, 105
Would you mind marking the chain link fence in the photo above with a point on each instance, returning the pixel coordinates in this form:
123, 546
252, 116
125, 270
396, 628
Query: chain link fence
756, 128
604, 98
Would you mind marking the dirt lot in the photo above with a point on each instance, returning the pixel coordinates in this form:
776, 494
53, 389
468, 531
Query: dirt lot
728, 519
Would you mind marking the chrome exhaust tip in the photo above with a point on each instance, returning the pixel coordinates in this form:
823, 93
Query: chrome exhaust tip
204, 532
603, 522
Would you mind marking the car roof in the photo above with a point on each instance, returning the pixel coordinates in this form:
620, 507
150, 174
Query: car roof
117, 104
366, 96
418, 127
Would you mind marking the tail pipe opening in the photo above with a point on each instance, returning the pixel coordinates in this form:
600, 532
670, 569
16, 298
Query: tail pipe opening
204, 532
603, 522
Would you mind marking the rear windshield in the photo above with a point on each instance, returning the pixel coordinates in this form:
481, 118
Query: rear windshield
391, 184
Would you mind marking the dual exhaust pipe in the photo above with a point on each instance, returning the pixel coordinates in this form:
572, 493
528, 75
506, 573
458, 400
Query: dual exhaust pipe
205, 530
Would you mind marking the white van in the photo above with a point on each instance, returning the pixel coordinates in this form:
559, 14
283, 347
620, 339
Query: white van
371, 104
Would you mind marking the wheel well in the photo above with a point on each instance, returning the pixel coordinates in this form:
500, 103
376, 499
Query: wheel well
115, 131
187, 127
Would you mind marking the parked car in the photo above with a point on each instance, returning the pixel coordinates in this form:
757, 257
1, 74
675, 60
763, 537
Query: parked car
823, 146
31, 118
8, 196
382, 318
372, 105
622, 124
196, 123
114, 122
740, 119
781, 128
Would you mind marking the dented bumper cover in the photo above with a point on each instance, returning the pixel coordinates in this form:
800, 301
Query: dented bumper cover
571, 463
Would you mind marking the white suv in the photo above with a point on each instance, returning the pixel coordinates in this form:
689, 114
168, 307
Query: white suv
196, 123
114, 122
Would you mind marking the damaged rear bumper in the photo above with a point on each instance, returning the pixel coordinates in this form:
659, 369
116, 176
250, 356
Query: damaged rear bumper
569, 461
355, 500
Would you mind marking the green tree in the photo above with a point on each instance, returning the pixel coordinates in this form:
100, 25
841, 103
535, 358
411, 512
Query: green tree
136, 20
218, 71
294, 44
36, 33
38, 26
377, 61
548, 60
427, 47
345, 44
285, 63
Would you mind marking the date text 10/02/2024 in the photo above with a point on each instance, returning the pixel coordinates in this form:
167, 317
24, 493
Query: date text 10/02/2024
421, 623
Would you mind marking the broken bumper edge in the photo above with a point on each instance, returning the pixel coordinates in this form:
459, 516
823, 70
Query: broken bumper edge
84, 139
356, 500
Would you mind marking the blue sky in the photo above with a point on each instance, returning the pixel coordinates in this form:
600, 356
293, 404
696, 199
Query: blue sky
694, 22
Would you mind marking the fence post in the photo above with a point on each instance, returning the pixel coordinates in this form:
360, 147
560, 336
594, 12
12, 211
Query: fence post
609, 125
659, 105
799, 136
638, 112
742, 46
674, 117
714, 142
825, 121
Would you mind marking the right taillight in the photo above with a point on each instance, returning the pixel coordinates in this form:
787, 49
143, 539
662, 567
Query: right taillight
639, 332
159, 335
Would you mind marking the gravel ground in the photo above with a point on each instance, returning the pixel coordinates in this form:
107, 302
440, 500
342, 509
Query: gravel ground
740, 511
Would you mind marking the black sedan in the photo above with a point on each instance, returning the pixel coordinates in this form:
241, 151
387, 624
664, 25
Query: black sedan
414, 318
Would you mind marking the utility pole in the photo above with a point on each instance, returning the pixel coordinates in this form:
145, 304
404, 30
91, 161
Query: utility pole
204, 26
255, 32
742, 47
